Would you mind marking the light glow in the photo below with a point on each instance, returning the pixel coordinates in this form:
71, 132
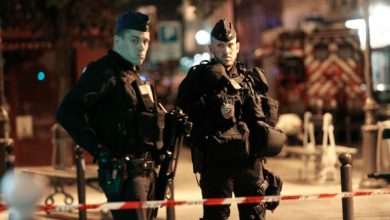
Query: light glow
202, 37
379, 27
41, 76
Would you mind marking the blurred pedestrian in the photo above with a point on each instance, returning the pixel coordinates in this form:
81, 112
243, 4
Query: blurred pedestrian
21, 192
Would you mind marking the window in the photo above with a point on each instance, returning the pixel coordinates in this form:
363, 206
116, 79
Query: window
320, 51
345, 51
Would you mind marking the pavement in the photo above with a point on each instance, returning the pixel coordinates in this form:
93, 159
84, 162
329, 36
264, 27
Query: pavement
289, 168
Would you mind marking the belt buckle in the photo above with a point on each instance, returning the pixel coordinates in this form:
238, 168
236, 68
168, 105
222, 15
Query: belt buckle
148, 165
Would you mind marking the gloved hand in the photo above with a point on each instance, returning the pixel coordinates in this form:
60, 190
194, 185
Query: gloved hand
274, 188
244, 130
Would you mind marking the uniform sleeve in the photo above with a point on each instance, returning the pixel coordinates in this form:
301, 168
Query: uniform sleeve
71, 113
184, 93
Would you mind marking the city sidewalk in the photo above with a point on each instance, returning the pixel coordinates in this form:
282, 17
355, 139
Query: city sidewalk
365, 208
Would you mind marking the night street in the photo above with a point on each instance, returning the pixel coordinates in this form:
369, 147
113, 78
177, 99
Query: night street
105, 94
365, 207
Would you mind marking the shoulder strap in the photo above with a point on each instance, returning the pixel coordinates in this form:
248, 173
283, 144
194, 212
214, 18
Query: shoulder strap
138, 91
200, 66
260, 83
239, 79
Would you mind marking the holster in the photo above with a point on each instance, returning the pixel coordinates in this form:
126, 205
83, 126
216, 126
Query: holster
139, 166
113, 177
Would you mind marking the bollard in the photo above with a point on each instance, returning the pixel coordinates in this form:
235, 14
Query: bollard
80, 166
62, 156
171, 209
346, 185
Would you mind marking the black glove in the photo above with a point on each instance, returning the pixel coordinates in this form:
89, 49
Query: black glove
274, 188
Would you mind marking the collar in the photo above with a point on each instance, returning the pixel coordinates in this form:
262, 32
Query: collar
124, 64
233, 72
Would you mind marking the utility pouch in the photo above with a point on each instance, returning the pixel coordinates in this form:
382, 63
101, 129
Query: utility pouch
266, 140
146, 126
146, 94
114, 184
275, 185
253, 108
111, 179
196, 142
151, 125
197, 155
152, 118
270, 108
260, 81
147, 116
228, 145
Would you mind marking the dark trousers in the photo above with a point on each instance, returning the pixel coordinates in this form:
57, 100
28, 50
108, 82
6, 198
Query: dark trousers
242, 179
137, 187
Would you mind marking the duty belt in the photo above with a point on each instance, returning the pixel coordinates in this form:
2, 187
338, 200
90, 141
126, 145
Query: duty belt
140, 164
137, 165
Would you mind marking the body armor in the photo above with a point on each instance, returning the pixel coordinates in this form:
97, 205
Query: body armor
233, 119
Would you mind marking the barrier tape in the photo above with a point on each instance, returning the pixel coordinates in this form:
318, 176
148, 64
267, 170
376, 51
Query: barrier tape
212, 201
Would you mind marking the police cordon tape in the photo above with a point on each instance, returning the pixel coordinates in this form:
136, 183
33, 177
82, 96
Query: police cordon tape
212, 201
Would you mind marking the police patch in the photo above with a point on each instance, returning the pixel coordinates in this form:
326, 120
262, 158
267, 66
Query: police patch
227, 110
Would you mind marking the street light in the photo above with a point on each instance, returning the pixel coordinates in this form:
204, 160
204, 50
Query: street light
379, 30
202, 37
369, 128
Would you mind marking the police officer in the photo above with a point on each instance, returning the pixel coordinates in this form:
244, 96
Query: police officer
111, 113
219, 97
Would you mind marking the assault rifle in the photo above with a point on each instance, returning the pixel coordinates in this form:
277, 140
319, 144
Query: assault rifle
176, 127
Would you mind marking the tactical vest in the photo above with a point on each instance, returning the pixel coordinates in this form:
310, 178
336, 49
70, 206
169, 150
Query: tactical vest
265, 139
134, 122
224, 133
236, 126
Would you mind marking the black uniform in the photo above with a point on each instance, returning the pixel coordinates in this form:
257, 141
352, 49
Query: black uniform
113, 114
222, 114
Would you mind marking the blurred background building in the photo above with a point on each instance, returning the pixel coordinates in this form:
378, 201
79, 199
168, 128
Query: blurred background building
45, 44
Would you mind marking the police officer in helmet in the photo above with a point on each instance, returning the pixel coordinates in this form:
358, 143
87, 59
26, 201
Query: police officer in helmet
112, 114
217, 96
